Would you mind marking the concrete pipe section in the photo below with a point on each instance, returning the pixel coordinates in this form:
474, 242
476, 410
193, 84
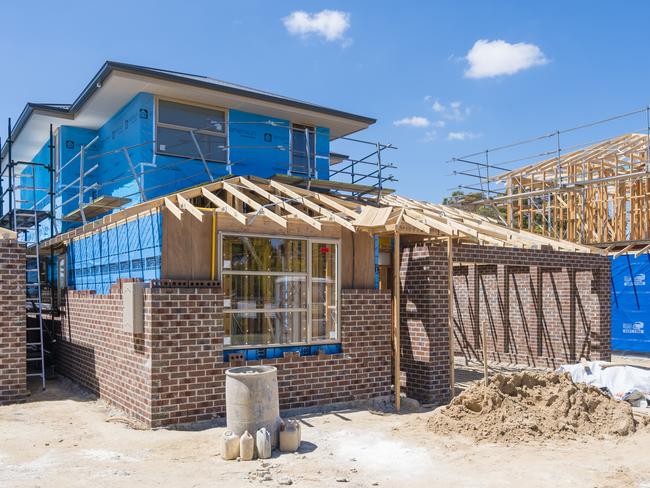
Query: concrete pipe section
252, 400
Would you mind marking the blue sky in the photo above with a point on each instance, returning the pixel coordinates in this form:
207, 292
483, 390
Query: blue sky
589, 60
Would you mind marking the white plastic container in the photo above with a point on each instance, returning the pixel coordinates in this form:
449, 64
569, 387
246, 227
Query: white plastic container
229, 446
246, 447
290, 436
263, 443
252, 400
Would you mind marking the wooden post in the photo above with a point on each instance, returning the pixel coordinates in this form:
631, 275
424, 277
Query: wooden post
396, 319
485, 353
450, 298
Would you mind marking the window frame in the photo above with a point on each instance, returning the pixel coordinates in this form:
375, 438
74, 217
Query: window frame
309, 279
166, 125
311, 156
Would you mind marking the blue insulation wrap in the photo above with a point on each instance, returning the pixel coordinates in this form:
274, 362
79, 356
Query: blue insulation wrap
128, 250
257, 353
323, 153
131, 128
631, 303
70, 141
259, 145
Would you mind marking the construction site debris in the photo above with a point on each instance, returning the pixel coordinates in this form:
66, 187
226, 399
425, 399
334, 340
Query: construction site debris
622, 382
230, 446
246, 447
263, 443
385, 404
289, 435
533, 406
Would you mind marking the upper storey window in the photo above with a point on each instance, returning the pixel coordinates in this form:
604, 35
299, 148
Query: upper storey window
191, 131
303, 149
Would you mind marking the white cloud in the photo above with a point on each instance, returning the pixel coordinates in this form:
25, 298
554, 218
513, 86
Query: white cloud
438, 107
462, 136
329, 24
414, 121
439, 124
454, 111
488, 59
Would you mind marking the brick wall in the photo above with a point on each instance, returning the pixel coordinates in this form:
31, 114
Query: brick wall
174, 373
540, 307
424, 332
189, 373
13, 368
95, 351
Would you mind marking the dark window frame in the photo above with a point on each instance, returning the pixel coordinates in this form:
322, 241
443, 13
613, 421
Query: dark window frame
188, 130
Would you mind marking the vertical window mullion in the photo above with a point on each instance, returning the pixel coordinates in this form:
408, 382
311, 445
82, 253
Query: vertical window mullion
309, 297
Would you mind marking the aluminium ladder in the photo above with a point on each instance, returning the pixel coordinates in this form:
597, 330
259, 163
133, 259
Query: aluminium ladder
25, 214
28, 222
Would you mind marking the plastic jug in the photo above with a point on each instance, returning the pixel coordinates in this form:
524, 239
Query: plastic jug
246, 447
263, 443
290, 436
229, 446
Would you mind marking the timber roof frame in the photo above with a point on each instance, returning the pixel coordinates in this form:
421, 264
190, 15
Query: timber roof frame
249, 198
598, 195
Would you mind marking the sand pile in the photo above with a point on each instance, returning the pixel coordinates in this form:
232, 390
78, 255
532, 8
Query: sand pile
530, 405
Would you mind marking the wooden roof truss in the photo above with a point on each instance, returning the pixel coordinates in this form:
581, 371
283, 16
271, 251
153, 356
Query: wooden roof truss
598, 195
247, 199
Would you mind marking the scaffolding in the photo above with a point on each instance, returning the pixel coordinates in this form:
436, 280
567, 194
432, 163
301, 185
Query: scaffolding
24, 217
595, 193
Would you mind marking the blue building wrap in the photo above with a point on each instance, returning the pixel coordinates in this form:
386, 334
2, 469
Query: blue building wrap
128, 250
259, 145
631, 303
67, 191
128, 132
322, 153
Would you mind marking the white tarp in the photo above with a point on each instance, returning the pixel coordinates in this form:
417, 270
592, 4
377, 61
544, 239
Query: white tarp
622, 382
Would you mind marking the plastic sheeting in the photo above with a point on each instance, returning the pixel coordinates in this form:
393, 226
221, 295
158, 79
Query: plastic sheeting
631, 303
621, 382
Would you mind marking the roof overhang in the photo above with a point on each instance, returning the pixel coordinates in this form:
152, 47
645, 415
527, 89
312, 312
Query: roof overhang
117, 83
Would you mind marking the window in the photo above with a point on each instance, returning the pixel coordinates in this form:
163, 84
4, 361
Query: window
279, 290
190, 131
303, 149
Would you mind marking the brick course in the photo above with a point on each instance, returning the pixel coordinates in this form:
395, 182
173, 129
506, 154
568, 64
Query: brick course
13, 367
174, 372
540, 307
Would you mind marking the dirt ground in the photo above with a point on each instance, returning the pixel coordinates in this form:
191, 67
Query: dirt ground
61, 438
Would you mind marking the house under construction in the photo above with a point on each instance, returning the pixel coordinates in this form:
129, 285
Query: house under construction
170, 226
597, 195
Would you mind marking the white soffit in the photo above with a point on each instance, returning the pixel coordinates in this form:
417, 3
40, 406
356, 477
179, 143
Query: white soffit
120, 87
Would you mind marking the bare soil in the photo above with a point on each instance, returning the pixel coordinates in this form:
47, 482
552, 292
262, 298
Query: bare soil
529, 405
61, 438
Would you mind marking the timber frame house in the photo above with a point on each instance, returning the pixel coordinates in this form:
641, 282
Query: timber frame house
598, 196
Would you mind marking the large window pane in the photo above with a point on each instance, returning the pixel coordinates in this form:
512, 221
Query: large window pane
180, 143
241, 253
264, 291
257, 328
190, 116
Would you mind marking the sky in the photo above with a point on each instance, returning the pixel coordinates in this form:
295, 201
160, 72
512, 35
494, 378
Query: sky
444, 78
